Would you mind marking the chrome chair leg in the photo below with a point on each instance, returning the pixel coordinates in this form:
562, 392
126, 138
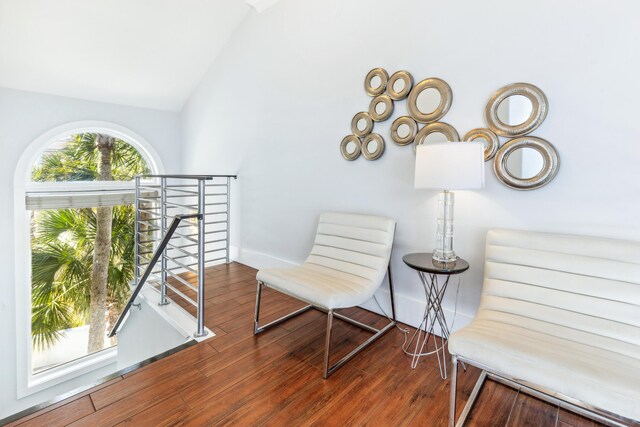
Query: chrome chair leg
452, 396
256, 318
327, 344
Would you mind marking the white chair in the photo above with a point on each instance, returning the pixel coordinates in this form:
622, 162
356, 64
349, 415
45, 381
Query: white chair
559, 319
347, 265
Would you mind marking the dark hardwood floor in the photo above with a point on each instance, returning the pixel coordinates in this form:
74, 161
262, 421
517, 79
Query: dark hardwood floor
275, 379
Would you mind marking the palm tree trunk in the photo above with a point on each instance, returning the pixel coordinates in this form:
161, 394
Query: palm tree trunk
101, 252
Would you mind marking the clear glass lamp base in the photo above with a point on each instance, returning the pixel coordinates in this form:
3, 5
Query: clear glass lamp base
444, 233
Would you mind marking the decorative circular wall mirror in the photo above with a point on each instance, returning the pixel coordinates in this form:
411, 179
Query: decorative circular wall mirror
488, 137
372, 146
381, 108
350, 147
516, 109
446, 131
434, 104
526, 163
361, 124
399, 85
376, 81
404, 130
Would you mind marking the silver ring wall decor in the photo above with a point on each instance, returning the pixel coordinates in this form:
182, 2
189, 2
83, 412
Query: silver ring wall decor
343, 147
550, 166
446, 98
539, 104
407, 78
363, 115
388, 108
413, 130
438, 127
377, 90
375, 154
492, 143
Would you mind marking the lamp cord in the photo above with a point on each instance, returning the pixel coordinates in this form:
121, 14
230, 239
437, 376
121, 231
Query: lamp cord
406, 331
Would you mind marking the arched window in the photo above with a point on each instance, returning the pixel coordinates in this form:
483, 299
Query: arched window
78, 200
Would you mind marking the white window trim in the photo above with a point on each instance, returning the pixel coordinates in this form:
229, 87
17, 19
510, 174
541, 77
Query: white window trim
28, 383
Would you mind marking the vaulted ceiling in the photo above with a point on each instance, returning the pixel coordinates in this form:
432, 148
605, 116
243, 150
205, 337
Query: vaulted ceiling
145, 53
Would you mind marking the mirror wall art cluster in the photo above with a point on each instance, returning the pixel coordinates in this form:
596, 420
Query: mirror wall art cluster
522, 162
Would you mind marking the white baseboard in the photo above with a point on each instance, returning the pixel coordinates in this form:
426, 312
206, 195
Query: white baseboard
409, 310
260, 260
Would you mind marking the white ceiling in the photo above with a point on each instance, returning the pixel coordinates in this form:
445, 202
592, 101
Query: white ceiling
145, 53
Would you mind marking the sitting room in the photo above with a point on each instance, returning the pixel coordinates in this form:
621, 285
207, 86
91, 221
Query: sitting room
320, 212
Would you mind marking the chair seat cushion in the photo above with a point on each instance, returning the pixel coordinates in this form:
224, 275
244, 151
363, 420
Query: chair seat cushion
606, 379
318, 285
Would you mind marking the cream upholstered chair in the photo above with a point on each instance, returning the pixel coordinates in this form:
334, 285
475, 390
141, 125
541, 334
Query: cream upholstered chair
559, 318
346, 267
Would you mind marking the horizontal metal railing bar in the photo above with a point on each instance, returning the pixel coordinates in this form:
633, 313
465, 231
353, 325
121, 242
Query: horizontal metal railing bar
187, 267
150, 199
180, 190
149, 230
149, 212
183, 256
206, 242
179, 206
205, 177
148, 222
177, 248
184, 297
194, 194
181, 280
208, 260
216, 222
184, 236
206, 232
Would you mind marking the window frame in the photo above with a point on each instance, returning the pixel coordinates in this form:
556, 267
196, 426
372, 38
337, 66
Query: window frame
27, 382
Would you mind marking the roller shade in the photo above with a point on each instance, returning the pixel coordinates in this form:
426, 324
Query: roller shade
37, 200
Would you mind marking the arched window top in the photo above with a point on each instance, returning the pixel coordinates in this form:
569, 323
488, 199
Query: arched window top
33, 155
89, 156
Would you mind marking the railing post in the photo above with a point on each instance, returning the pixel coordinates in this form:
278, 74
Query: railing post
228, 217
136, 229
163, 230
201, 255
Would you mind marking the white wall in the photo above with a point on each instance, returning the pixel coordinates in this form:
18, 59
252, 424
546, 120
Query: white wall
23, 117
279, 99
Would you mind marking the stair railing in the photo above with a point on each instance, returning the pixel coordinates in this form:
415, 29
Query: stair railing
205, 198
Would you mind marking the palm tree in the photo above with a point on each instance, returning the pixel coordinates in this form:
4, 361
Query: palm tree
82, 259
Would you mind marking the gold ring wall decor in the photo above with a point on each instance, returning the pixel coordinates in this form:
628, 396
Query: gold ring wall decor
439, 127
539, 105
398, 95
344, 147
491, 145
375, 154
446, 97
384, 78
413, 130
363, 115
550, 166
388, 108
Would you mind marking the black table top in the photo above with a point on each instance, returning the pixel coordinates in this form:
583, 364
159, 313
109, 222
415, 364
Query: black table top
423, 261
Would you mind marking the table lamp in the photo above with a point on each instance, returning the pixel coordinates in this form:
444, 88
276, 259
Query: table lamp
448, 166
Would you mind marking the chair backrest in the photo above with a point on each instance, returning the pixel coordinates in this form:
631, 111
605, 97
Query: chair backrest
355, 244
580, 288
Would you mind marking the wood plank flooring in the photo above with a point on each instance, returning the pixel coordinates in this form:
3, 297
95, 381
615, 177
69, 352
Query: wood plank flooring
275, 379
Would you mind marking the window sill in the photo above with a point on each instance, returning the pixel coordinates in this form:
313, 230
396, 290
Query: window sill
68, 371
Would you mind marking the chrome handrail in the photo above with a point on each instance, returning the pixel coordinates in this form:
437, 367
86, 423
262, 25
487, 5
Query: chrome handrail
156, 256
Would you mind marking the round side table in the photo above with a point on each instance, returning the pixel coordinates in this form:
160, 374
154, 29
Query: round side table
428, 270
